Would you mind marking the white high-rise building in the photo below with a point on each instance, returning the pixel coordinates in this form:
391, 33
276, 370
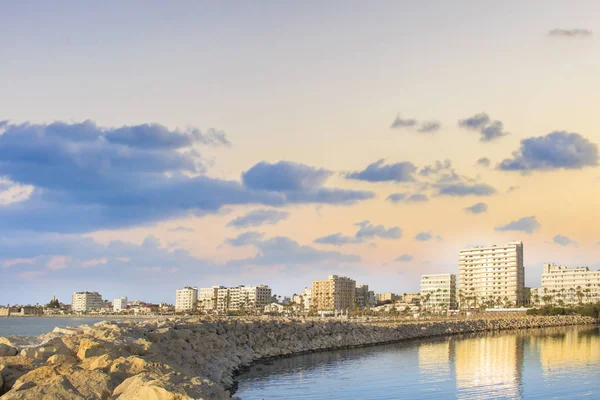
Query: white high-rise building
208, 297
86, 301
438, 292
120, 304
186, 299
567, 286
491, 276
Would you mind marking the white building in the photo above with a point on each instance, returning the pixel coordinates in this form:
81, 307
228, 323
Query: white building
237, 298
120, 304
491, 276
567, 286
86, 301
303, 299
186, 299
438, 292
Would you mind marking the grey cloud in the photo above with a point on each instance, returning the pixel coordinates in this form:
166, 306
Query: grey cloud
477, 208
563, 241
182, 229
570, 33
365, 232
429, 127
465, 189
557, 150
525, 224
404, 258
403, 123
404, 197
424, 236
482, 123
260, 217
484, 162
381, 172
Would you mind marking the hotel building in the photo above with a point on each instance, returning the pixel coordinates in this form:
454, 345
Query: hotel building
237, 298
493, 276
438, 292
186, 299
86, 301
567, 286
120, 304
334, 293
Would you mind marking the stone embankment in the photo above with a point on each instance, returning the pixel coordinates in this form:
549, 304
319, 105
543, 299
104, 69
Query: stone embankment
194, 359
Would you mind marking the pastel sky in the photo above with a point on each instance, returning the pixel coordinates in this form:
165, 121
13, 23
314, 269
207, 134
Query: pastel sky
146, 146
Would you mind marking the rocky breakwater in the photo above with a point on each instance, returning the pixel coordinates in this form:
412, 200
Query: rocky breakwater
193, 359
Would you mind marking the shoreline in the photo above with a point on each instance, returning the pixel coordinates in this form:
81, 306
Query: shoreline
200, 357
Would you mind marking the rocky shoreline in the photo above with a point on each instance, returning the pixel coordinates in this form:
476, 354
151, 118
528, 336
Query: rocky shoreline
196, 358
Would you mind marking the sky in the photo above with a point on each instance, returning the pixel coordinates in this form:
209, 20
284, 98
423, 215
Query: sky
147, 146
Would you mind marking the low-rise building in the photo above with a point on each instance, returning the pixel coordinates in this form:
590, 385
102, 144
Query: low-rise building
412, 298
303, 299
385, 297
186, 299
438, 292
86, 301
567, 286
120, 304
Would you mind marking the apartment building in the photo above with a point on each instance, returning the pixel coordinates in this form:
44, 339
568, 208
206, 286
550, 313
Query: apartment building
303, 298
334, 293
186, 299
363, 296
385, 297
237, 298
567, 286
491, 276
438, 292
119, 304
412, 298
86, 301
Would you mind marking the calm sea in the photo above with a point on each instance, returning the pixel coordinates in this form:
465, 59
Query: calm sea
33, 326
557, 363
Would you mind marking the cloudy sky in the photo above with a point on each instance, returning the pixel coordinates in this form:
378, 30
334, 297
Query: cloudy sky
146, 146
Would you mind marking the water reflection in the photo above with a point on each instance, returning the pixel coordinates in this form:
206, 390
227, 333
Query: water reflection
542, 363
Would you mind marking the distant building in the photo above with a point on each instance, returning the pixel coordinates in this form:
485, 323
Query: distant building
186, 299
303, 299
412, 298
119, 304
438, 292
492, 276
239, 298
385, 297
567, 286
335, 293
86, 301
362, 296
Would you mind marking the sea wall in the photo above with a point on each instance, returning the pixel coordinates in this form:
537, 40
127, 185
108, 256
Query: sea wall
192, 359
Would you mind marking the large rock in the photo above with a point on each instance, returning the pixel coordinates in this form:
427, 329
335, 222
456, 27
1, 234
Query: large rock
91, 348
46, 349
7, 351
148, 387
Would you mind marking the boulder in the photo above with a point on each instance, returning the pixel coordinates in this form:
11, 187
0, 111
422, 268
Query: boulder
146, 386
7, 350
46, 349
91, 348
61, 358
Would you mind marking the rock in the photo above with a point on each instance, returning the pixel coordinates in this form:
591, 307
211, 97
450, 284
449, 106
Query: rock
102, 362
46, 349
91, 348
145, 387
61, 358
7, 351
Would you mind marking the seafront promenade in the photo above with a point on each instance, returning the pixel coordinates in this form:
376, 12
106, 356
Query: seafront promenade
197, 358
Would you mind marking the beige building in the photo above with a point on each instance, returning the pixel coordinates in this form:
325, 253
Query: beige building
411, 298
386, 296
303, 299
438, 292
86, 301
334, 293
567, 286
208, 297
363, 296
491, 276
186, 299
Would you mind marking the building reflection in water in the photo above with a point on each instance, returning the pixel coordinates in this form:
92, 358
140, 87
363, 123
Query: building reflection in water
489, 366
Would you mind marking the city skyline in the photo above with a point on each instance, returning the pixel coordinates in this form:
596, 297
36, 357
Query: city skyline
148, 148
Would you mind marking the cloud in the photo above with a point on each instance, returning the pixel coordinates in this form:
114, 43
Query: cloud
86, 178
259, 217
482, 123
557, 150
570, 33
438, 167
58, 262
403, 123
337, 239
381, 172
477, 208
182, 229
365, 232
525, 224
245, 239
404, 258
424, 237
512, 189
429, 127
282, 250
404, 197
563, 241
484, 162
464, 189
